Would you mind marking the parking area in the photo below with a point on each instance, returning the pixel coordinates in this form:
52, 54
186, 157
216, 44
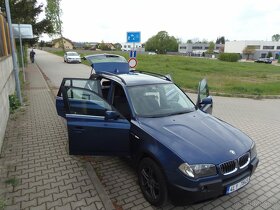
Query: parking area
260, 119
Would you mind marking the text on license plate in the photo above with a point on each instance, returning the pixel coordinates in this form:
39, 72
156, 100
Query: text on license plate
238, 185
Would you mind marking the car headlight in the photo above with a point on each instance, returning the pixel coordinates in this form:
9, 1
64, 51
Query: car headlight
198, 170
253, 150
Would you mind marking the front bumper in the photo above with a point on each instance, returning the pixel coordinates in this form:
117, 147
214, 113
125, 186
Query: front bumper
73, 60
180, 195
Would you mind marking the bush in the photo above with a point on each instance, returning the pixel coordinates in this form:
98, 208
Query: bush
14, 103
229, 57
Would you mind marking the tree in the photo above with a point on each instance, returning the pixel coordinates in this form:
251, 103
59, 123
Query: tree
211, 47
42, 44
161, 43
220, 40
53, 13
276, 37
103, 46
27, 12
189, 41
204, 41
249, 50
118, 46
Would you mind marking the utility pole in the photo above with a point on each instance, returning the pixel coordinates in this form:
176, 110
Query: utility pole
15, 66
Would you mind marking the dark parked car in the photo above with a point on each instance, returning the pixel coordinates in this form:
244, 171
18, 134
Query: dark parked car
180, 151
264, 60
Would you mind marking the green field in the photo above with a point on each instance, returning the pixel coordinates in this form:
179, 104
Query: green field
244, 79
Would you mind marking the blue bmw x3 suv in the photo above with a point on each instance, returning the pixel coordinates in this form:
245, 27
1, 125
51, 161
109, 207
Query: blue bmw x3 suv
181, 151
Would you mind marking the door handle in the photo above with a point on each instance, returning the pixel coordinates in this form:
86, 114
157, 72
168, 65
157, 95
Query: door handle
79, 129
135, 136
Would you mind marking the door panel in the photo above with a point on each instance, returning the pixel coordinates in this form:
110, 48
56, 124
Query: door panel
88, 131
92, 135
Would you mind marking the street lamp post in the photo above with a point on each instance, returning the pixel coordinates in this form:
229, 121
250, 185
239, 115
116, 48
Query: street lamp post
15, 66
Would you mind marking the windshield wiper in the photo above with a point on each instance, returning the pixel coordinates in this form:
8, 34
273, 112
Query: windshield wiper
181, 112
167, 114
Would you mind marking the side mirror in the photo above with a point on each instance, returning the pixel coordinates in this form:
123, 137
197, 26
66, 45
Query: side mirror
206, 105
203, 90
111, 115
204, 101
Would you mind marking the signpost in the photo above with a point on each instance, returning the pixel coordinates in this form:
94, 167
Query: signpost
132, 54
22, 31
132, 62
133, 37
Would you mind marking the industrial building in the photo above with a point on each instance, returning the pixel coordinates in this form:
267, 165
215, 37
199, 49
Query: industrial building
261, 48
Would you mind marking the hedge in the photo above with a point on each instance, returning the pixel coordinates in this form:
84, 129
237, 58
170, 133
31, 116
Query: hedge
229, 57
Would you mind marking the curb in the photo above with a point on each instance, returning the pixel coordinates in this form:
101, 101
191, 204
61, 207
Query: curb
90, 170
99, 188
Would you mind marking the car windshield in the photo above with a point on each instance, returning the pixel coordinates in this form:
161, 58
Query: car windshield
72, 54
159, 100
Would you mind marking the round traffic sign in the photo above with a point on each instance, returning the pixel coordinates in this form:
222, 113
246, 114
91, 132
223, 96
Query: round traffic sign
132, 62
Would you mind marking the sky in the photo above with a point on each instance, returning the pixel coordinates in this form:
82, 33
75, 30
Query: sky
110, 20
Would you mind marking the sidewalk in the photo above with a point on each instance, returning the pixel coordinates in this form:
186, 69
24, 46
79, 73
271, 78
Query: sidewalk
34, 159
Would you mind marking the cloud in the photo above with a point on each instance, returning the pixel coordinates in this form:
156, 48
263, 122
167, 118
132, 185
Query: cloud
109, 20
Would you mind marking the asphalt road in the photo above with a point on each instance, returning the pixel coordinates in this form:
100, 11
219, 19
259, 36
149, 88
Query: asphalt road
260, 119
55, 69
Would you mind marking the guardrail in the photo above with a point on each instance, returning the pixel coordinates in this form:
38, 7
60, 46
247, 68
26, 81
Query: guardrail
5, 45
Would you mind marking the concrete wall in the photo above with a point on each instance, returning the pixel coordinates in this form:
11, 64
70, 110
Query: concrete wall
7, 87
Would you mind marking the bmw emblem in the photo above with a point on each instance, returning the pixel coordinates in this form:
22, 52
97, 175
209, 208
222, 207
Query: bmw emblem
232, 152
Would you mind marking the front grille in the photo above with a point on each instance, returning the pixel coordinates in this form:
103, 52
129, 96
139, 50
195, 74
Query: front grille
244, 160
228, 167
232, 166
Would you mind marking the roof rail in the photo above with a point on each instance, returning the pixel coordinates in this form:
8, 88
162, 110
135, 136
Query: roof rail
112, 74
166, 77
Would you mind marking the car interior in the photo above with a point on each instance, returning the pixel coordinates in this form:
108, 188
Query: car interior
120, 102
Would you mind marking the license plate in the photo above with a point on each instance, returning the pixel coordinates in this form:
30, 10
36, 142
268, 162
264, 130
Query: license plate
238, 185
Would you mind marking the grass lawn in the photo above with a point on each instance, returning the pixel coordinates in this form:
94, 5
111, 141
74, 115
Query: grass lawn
224, 78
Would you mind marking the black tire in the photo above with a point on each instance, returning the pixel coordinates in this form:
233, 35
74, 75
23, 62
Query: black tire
152, 182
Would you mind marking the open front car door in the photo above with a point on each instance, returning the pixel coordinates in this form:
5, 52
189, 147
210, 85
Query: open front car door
90, 84
204, 100
94, 127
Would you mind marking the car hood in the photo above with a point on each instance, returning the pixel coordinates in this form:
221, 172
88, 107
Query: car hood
197, 137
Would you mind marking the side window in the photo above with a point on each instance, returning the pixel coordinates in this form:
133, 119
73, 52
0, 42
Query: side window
105, 87
120, 102
93, 85
85, 102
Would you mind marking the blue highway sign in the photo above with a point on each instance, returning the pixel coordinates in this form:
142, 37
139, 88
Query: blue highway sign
133, 37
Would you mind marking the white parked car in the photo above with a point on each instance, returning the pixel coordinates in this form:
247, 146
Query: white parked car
72, 57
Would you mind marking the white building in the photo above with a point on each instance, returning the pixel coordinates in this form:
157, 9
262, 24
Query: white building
197, 48
129, 46
262, 48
